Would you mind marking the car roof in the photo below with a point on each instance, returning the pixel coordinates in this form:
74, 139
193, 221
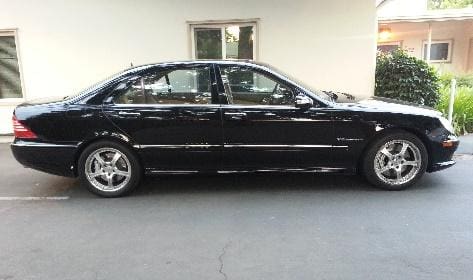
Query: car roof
243, 62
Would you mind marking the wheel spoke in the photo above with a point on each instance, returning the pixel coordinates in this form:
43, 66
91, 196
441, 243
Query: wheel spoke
99, 159
411, 163
122, 173
403, 149
115, 158
96, 174
385, 168
110, 181
386, 153
398, 174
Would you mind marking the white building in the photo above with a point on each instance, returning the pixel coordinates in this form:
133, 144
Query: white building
56, 48
408, 24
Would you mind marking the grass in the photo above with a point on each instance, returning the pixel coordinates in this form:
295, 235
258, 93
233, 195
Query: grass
462, 108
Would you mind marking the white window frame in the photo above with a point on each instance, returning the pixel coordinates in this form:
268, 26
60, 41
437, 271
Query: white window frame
391, 43
450, 48
14, 101
222, 25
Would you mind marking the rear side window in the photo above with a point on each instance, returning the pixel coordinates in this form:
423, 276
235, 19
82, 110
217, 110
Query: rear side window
170, 86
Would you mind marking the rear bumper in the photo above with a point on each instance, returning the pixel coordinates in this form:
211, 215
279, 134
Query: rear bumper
51, 158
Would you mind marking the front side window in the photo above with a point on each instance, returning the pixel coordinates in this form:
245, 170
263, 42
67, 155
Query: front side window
171, 86
10, 83
440, 51
245, 86
224, 41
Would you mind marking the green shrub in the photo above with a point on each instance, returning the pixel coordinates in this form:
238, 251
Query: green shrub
403, 77
462, 108
465, 80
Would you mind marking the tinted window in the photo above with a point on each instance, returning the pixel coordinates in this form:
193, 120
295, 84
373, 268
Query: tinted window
173, 86
245, 86
10, 85
438, 51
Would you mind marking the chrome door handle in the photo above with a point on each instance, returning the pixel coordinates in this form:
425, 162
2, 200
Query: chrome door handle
134, 114
236, 115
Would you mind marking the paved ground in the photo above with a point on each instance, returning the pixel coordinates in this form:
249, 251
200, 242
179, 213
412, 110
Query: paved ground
237, 227
466, 145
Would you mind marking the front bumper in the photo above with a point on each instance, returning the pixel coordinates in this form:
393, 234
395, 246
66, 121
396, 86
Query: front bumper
51, 158
442, 153
441, 165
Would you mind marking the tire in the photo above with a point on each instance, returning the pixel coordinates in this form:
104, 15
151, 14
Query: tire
114, 173
386, 167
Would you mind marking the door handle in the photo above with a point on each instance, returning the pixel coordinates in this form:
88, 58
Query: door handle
129, 114
237, 116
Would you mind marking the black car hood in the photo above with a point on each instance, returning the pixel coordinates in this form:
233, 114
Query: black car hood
382, 104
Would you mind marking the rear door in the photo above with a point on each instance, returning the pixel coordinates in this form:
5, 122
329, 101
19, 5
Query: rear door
263, 129
171, 115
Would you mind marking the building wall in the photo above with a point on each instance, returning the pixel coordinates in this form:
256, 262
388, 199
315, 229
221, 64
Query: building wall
412, 36
67, 45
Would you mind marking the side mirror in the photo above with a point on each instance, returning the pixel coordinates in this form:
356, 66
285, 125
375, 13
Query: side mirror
303, 101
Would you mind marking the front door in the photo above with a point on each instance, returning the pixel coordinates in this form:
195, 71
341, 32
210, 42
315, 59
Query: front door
263, 129
170, 115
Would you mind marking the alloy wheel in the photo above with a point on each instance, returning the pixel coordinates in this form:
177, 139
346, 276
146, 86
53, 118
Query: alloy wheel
108, 169
397, 162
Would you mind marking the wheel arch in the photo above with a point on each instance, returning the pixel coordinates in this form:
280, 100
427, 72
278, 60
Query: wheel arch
121, 139
421, 136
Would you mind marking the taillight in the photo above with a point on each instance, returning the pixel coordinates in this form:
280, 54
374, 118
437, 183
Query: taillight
22, 131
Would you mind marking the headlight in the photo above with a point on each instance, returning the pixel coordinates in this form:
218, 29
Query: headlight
448, 126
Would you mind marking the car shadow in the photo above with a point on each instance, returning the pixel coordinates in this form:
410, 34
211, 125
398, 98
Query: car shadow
250, 182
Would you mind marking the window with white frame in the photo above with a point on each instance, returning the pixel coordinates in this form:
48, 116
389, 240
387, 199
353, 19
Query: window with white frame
10, 81
440, 50
389, 47
224, 41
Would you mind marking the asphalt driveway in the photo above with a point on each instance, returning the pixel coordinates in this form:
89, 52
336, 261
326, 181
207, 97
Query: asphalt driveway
265, 226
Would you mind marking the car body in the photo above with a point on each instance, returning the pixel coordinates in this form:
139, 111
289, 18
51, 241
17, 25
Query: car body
179, 117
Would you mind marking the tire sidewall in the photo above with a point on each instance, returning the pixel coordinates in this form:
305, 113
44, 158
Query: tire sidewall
368, 161
136, 171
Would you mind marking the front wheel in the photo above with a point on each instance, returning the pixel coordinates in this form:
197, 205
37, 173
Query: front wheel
109, 169
395, 161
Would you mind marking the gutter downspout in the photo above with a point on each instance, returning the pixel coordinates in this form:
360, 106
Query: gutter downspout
429, 44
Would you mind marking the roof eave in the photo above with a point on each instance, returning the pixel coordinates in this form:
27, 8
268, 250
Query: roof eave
425, 18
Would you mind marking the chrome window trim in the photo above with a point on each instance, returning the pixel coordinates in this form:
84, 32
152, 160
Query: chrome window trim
160, 105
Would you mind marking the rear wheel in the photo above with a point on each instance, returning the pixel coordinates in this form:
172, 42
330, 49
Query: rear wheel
109, 169
395, 161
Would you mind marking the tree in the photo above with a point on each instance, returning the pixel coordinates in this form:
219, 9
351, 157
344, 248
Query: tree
449, 4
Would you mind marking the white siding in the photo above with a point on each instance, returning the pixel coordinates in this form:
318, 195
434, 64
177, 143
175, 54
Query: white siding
67, 45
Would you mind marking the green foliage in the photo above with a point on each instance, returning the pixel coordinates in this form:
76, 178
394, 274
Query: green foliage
449, 4
465, 80
403, 77
462, 108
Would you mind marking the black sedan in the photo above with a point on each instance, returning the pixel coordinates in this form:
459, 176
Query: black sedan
225, 116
